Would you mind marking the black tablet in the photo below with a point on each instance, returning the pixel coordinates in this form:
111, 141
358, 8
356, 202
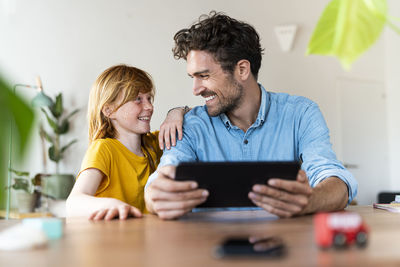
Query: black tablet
229, 183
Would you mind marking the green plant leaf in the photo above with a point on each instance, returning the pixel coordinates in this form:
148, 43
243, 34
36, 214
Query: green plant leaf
64, 127
346, 29
72, 114
54, 154
21, 184
57, 109
68, 145
19, 173
16, 111
47, 136
52, 123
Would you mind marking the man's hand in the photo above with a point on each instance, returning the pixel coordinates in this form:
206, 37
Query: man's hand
171, 125
171, 199
283, 198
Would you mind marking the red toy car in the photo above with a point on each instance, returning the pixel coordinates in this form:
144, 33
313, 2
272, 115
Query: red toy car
340, 229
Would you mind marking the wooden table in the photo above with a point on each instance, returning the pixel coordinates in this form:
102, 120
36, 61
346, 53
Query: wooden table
153, 242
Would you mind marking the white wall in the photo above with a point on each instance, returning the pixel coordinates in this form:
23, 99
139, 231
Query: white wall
392, 78
69, 43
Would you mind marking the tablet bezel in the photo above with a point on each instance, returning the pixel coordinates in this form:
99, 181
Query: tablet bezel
217, 178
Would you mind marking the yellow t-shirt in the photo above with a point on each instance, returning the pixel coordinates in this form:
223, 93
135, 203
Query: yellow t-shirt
125, 173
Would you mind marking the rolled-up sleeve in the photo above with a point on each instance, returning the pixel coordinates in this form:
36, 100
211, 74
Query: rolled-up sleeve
315, 149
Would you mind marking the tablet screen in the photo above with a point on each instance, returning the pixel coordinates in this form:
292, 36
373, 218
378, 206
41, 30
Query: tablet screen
229, 183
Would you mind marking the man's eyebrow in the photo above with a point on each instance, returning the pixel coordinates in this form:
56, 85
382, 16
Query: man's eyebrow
197, 73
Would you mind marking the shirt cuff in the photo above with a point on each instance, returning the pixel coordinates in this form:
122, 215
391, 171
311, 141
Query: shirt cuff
343, 175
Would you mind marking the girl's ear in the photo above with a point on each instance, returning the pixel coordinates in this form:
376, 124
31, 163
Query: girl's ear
107, 110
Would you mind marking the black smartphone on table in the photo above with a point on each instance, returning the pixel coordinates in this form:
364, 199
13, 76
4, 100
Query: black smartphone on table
270, 247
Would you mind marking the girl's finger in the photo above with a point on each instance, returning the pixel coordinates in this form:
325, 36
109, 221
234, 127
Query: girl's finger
135, 212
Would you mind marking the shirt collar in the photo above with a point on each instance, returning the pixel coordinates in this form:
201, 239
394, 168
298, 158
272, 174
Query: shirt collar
262, 113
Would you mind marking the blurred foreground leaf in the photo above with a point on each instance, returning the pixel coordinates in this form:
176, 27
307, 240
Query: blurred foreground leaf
347, 28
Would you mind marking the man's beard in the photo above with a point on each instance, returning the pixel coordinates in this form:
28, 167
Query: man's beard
230, 103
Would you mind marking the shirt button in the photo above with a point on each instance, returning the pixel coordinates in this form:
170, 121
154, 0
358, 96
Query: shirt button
246, 142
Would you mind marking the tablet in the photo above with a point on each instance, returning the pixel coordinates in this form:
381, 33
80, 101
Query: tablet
229, 183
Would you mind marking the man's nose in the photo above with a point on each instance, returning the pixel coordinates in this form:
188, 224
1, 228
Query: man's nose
198, 87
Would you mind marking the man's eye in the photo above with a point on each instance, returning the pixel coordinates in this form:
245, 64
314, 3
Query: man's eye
204, 76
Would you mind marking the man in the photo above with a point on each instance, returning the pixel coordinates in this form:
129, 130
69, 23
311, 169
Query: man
241, 121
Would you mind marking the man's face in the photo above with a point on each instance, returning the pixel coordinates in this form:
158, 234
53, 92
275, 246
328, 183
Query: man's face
221, 91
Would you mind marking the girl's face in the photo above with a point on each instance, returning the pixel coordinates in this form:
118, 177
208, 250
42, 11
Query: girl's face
134, 116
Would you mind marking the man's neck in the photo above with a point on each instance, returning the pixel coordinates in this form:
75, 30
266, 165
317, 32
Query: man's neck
246, 113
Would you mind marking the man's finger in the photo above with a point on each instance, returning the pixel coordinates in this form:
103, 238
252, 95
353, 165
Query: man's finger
180, 196
273, 210
275, 193
294, 187
171, 214
168, 185
302, 177
276, 203
177, 205
167, 171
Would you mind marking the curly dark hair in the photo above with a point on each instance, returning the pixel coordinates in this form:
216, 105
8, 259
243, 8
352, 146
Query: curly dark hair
227, 39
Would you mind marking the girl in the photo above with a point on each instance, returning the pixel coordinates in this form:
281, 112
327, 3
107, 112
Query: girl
122, 153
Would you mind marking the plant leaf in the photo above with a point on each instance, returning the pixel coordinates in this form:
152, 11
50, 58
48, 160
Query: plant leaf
64, 127
51, 122
21, 184
54, 155
13, 110
346, 29
57, 109
68, 145
72, 114
46, 135
19, 173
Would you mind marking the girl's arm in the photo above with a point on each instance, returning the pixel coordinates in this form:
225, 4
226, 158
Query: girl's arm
171, 125
81, 201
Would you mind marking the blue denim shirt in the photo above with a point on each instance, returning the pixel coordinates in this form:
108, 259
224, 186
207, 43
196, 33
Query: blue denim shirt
287, 128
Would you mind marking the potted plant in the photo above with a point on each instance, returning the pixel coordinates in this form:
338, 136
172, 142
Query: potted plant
57, 185
27, 190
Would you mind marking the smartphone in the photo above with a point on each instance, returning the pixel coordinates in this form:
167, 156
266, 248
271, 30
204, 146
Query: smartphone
272, 247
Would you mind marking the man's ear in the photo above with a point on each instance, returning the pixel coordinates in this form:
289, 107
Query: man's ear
107, 111
243, 69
